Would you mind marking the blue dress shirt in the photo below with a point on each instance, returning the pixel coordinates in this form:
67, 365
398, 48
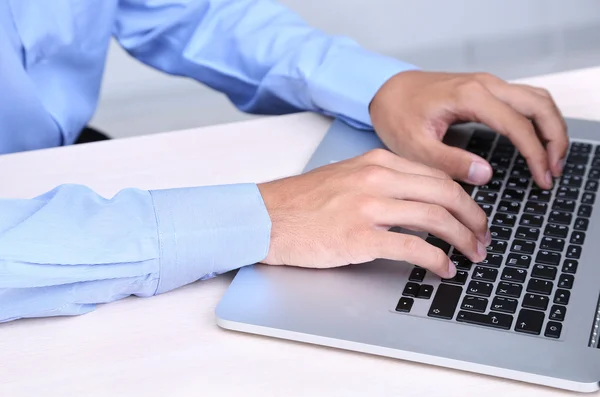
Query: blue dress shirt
69, 249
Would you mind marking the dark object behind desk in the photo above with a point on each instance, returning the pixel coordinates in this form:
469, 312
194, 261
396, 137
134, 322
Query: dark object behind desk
89, 134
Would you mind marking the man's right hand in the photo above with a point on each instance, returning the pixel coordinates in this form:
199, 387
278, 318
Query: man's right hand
341, 214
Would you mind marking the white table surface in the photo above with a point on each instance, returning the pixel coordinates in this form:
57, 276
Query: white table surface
169, 345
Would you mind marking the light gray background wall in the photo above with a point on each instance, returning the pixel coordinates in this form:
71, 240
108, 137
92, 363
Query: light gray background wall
511, 38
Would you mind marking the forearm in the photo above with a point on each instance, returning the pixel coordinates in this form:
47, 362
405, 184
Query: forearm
258, 52
70, 249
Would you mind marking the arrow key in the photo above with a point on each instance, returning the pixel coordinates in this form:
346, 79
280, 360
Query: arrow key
529, 322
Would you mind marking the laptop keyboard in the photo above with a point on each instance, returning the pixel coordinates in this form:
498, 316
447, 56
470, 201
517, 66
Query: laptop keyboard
525, 283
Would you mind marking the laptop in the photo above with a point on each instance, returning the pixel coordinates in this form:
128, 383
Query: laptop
529, 312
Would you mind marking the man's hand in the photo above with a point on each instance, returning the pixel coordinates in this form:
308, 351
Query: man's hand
412, 111
341, 214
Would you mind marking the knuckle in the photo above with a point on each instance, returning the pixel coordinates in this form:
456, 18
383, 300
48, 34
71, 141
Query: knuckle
454, 190
410, 244
376, 156
485, 77
372, 174
436, 214
469, 88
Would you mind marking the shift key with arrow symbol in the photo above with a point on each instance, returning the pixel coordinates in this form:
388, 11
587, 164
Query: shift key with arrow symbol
495, 320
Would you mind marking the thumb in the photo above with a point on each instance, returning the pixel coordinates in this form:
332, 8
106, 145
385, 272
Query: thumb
458, 163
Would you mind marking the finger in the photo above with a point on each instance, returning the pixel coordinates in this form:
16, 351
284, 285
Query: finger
546, 116
478, 104
387, 159
458, 163
413, 249
433, 219
445, 193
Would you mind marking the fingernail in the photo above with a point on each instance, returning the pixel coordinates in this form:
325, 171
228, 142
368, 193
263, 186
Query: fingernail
451, 269
479, 173
488, 238
481, 251
561, 165
549, 178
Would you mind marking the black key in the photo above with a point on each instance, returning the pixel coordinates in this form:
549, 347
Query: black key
404, 305
538, 194
486, 197
594, 174
517, 183
522, 261
510, 207
411, 289
588, 198
562, 296
479, 152
511, 290
441, 244
523, 247
497, 246
591, 186
500, 160
533, 301
566, 281
573, 251
493, 186
533, 207
571, 181
548, 258
492, 260
570, 266
540, 286
520, 172
445, 301
544, 272
496, 320
574, 169
487, 208
461, 262
553, 330
467, 188
580, 147
504, 219
513, 194
529, 322
528, 233
596, 161
564, 205
585, 211
520, 160
459, 279
532, 220
483, 135
502, 233
569, 193
557, 313
553, 230
504, 305
581, 224
499, 173
425, 291
474, 303
484, 274
479, 288
514, 274
417, 274
552, 244
563, 218
578, 158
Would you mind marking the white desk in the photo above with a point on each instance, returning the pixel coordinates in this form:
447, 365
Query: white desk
169, 345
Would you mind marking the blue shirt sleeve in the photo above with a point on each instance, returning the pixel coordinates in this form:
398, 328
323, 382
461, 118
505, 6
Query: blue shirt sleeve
262, 55
67, 250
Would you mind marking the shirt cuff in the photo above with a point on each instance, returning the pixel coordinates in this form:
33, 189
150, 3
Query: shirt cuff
205, 231
348, 80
